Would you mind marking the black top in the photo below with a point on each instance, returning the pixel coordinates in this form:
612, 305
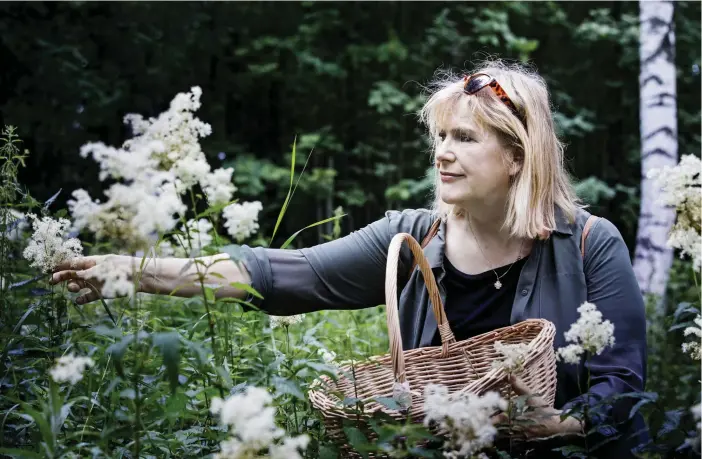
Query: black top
474, 305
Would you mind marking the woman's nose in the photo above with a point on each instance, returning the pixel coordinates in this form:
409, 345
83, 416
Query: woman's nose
444, 154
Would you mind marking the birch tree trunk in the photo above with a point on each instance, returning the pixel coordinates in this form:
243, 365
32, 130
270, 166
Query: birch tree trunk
659, 144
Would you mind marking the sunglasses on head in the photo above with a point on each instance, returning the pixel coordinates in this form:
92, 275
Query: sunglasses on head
476, 82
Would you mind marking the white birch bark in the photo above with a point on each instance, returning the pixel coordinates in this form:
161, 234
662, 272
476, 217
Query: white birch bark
659, 143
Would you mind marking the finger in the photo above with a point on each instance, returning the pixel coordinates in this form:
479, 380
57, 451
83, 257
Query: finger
87, 297
62, 276
75, 286
519, 386
77, 264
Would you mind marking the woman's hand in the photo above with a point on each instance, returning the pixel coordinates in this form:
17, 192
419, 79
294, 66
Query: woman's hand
81, 273
542, 420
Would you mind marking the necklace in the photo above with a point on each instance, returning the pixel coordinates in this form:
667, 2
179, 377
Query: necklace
497, 284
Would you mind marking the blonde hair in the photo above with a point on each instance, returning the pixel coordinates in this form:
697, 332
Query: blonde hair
542, 183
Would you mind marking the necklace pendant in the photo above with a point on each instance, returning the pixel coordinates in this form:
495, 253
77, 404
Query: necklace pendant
498, 284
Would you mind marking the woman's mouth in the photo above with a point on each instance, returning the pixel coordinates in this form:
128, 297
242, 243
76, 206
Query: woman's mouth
450, 177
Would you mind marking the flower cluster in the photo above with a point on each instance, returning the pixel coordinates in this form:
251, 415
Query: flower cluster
589, 334
693, 347
196, 236
285, 321
152, 170
115, 277
464, 418
513, 357
70, 368
681, 187
251, 422
48, 246
241, 219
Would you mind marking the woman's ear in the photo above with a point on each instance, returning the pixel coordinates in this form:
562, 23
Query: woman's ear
515, 163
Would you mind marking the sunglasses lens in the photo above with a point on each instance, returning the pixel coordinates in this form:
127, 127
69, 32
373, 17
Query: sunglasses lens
476, 83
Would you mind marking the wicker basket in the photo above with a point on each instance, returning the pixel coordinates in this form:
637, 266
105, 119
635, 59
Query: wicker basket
464, 365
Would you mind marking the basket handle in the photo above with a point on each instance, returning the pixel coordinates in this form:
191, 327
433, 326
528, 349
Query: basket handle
393, 319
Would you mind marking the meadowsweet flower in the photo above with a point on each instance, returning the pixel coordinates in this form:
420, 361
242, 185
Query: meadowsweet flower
48, 247
681, 187
196, 236
463, 417
589, 334
218, 186
514, 357
251, 422
285, 321
327, 356
115, 277
290, 447
693, 347
156, 166
70, 368
241, 219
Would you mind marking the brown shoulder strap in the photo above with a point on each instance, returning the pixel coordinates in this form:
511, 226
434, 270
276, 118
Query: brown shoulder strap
433, 230
586, 229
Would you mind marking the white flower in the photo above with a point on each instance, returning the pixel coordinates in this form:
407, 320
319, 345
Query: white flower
514, 357
191, 170
693, 347
290, 447
156, 166
463, 417
70, 368
285, 321
240, 219
218, 186
196, 236
252, 425
681, 187
116, 277
327, 356
589, 334
48, 246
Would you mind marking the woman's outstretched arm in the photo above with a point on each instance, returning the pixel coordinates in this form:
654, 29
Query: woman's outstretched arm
163, 276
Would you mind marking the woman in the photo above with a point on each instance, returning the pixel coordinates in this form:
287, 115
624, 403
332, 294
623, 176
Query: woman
507, 246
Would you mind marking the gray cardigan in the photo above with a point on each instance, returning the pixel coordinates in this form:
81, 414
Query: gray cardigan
349, 273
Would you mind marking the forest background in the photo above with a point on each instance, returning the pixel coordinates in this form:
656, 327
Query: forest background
343, 81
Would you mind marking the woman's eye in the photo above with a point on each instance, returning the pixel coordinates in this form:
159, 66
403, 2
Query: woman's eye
442, 136
466, 138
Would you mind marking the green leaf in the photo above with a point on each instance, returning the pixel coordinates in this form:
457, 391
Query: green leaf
247, 288
328, 452
290, 239
20, 453
389, 403
357, 439
169, 345
290, 190
286, 386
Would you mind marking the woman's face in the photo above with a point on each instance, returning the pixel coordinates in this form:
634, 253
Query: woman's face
470, 161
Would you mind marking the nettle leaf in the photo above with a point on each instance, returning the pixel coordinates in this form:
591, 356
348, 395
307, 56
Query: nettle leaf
389, 403
323, 368
118, 349
169, 345
103, 330
357, 439
287, 386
